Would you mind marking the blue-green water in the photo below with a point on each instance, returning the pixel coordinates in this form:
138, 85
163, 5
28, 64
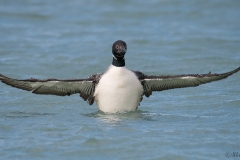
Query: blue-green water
72, 39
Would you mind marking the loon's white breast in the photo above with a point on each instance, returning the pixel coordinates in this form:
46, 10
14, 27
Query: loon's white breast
118, 90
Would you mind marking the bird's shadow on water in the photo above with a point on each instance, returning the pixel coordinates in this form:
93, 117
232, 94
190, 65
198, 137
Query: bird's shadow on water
118, 118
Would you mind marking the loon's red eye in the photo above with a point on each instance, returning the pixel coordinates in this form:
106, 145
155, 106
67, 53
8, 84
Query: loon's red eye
117, 47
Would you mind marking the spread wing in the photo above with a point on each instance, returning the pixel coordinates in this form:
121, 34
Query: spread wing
85, 87
159, 83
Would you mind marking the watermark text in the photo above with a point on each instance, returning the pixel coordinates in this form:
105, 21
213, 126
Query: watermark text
232, 154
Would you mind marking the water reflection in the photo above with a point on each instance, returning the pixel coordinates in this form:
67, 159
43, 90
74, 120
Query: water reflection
116, 119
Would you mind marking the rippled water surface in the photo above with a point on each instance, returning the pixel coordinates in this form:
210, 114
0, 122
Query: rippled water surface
72, 39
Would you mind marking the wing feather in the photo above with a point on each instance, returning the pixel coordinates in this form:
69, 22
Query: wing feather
85, 87
160, 83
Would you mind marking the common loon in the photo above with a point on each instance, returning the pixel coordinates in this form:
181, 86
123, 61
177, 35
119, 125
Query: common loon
118, 89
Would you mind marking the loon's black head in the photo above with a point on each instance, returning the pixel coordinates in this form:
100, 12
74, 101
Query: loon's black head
119, 48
